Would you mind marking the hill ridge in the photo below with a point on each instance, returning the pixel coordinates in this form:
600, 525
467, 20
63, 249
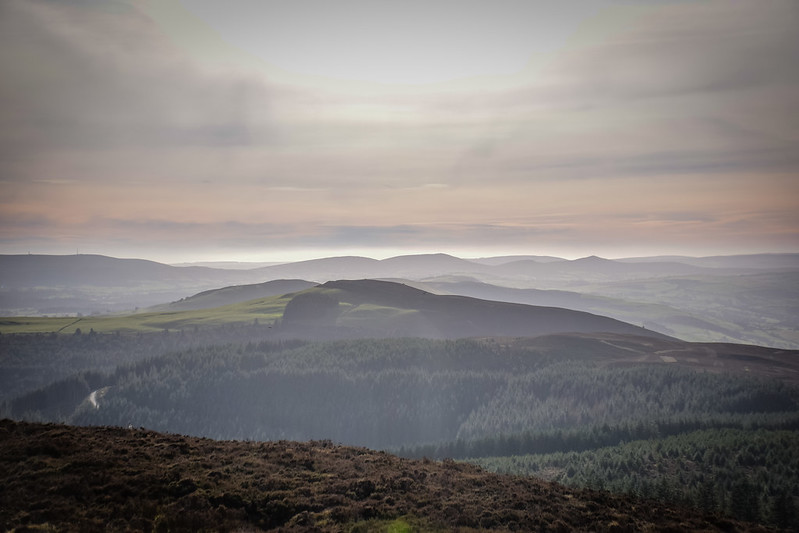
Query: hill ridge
115, 479
442, 316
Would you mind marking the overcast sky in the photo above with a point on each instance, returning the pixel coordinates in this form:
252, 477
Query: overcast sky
275, 130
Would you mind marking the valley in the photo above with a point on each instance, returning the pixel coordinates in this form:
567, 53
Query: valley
632, 379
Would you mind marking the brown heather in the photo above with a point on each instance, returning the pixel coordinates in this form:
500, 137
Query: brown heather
63, 478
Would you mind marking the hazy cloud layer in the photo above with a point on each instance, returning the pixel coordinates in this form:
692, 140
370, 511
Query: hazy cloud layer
654, 127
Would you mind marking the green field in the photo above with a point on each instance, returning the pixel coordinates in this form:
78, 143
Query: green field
265, 310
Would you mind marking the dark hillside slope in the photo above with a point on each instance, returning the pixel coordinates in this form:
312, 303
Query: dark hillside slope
112, 479
371, 308
665, 319
391, 393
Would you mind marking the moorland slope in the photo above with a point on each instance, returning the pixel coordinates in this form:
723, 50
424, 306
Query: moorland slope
113, 479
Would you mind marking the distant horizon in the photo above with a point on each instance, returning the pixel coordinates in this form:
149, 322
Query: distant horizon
294, 256
196, 130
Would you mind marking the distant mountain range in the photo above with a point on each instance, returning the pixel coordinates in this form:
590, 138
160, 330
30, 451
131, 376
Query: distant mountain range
28, 271
746, 298
750, 261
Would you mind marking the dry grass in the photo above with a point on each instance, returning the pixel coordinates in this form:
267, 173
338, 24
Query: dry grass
113, 479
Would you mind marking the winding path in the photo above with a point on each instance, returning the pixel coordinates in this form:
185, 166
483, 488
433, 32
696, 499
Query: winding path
93, 399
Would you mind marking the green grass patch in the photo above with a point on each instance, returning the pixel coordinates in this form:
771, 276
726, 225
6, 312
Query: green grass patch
265, 310
405, 524
34, 324
365, 314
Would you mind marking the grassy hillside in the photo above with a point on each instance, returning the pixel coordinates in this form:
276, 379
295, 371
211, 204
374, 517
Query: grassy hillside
264, 310
234, 294
364, 308
112, 479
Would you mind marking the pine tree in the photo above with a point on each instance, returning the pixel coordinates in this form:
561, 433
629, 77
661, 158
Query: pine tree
782, 510
707, 497
744, 503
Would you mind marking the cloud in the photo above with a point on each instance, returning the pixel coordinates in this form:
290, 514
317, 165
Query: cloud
689, 87
684, 47
114, 129
91, 76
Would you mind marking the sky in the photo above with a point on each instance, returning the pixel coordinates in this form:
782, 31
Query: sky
270, 130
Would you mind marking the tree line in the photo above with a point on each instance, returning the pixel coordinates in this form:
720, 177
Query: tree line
750, 474
521, 404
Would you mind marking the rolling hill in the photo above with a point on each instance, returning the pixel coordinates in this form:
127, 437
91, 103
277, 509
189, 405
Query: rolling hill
757, 308
27, 271
233, 295
114, 479
594, 269
35, 285
349, 309
372, 308
18, 271
750, 261
665, 319
545, 270
405, 266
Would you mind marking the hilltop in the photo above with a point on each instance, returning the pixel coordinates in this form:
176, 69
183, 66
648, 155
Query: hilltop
345, 309
372, 308
234, 294
114, 479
